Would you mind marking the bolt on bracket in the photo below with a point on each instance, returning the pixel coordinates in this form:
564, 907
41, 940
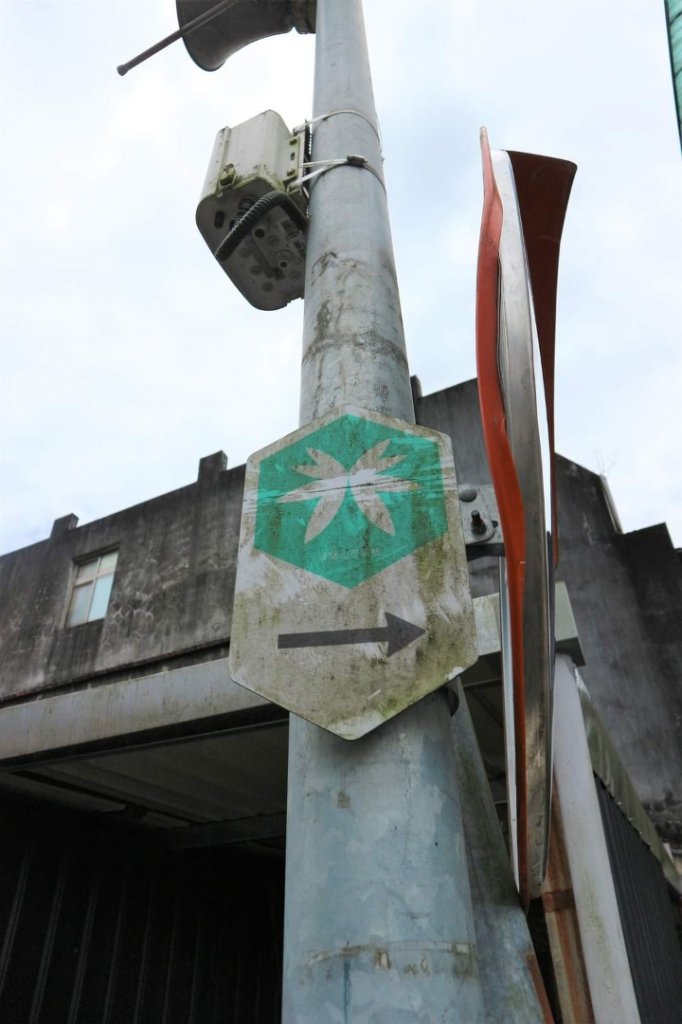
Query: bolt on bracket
480, 521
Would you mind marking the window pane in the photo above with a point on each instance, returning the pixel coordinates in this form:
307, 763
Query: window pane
108, 562
86, 570
100, 600
80, 601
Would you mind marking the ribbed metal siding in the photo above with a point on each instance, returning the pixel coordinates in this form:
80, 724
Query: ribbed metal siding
650, 917
95, 931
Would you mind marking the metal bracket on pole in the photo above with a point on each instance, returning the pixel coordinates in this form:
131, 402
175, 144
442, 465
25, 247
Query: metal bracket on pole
480, 521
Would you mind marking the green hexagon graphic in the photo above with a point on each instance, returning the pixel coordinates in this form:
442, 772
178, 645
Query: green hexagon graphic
349, 499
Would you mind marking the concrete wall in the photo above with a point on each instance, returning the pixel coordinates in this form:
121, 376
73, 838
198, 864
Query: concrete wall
172, 598
626, 592
172, 589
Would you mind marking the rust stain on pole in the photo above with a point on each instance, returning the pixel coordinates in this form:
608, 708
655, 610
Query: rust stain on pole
561, 920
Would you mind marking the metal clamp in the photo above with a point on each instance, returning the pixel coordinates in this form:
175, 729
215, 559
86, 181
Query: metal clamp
352, 160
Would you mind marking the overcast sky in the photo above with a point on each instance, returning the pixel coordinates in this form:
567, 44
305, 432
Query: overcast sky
126, 353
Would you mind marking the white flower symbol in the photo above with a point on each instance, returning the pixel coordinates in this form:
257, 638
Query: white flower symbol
331, 480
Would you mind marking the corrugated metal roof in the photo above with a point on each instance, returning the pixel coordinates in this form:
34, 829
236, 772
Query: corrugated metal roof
236, 777
649, 918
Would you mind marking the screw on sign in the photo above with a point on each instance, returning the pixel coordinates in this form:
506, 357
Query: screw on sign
351, 566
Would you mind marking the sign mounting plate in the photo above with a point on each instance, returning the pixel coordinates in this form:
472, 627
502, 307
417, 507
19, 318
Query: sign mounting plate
352, 597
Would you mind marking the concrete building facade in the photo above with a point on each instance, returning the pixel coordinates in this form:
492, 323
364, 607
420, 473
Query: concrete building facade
124, 731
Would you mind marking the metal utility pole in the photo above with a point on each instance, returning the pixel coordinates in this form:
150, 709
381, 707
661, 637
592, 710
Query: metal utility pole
378, 919
352, 598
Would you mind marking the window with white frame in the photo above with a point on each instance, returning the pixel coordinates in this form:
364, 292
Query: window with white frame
91, 589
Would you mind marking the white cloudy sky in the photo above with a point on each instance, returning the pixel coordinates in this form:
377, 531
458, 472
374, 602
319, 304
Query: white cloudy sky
126, 353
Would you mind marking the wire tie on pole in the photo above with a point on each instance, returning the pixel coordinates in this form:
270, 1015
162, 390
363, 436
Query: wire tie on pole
342, 110
323, 166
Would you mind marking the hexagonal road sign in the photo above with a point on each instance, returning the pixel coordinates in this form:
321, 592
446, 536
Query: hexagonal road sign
352, 597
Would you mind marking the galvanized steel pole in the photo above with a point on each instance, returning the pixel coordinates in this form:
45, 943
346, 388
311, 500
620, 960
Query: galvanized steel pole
353, 341
512, 988
378, 918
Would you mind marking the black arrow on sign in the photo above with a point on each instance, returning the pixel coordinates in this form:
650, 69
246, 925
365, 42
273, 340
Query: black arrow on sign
397, 632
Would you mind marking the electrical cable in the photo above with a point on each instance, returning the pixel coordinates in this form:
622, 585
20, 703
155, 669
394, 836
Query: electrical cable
242, 228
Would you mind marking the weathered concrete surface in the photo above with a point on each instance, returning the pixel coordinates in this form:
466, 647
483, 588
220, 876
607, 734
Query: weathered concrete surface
134, 708
455, 411
626, 594
172, 591
172, 599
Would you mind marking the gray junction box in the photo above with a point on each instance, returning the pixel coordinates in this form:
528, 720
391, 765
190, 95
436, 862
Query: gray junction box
258, 158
